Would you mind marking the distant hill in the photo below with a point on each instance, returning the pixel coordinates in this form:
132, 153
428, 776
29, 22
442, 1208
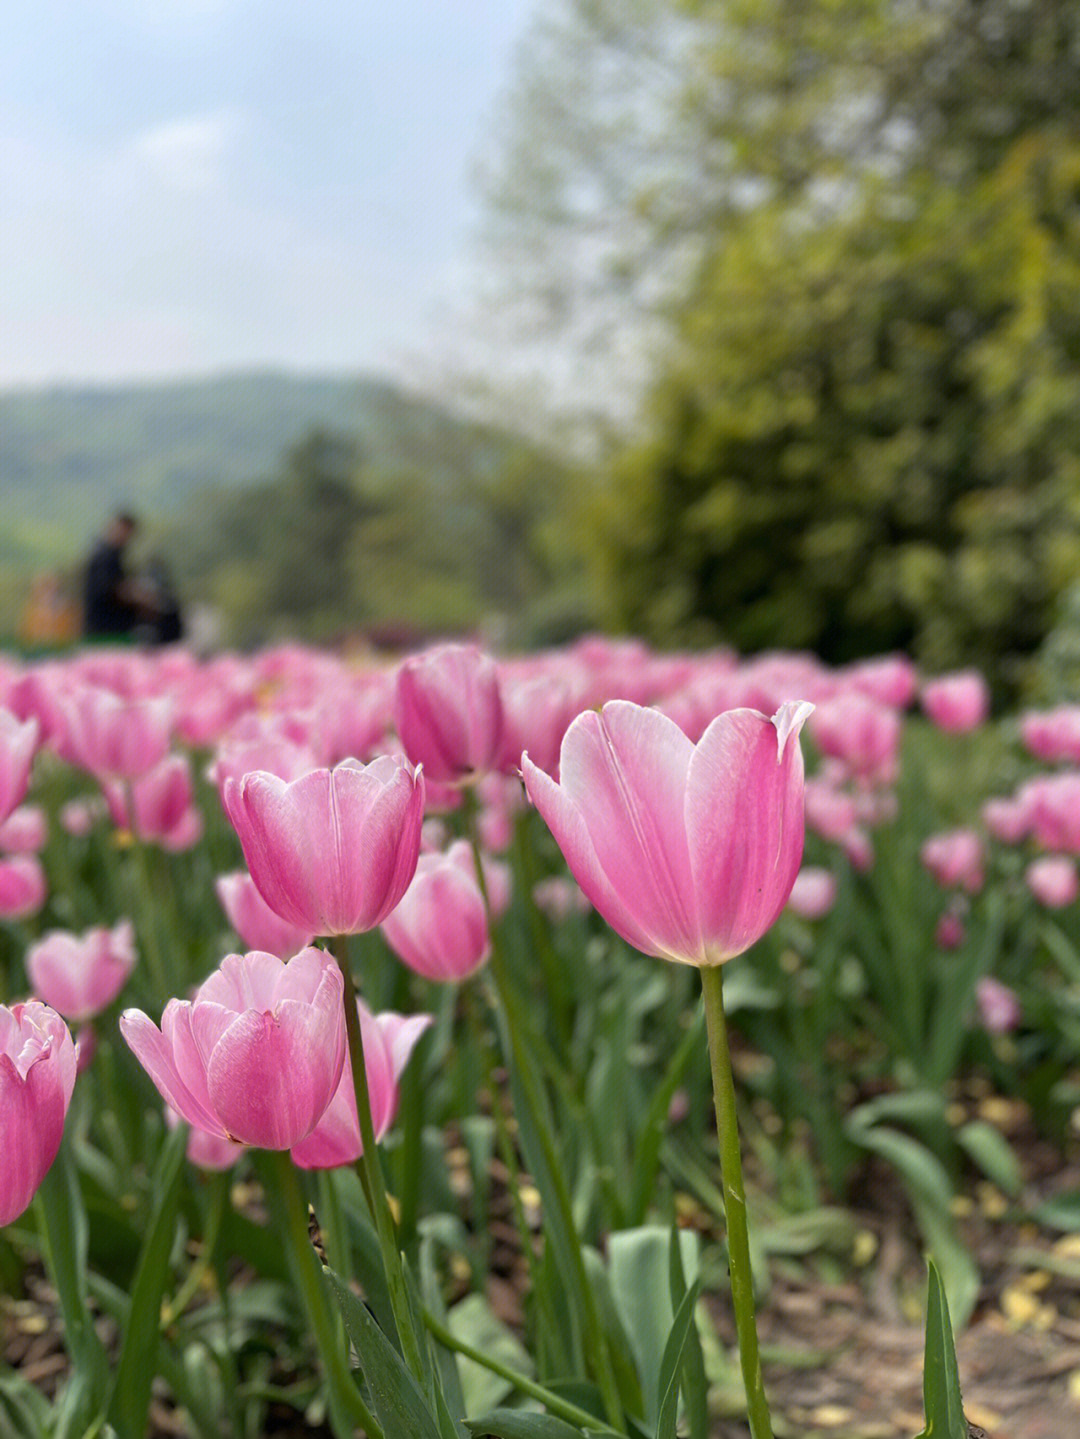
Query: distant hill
71, 454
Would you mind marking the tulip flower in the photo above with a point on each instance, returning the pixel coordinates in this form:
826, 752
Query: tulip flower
23, 888
334, 851
440, 928
253, 919
1053, 880
25, 831
814, 892
957, 703
37, 1075
112, 737
80, 975
388, 1042
448, 711
689, 852
159, 806
999, 1008
955, 859
18, 741
863, 734
257, 1055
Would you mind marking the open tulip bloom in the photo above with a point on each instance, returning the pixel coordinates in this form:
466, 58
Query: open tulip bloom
690, 853
258, 1053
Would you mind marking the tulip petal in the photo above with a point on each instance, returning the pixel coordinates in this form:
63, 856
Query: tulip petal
626, 768
155, 1053
744, 822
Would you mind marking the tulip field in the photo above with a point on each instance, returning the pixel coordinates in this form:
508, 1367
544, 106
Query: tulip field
464, 1045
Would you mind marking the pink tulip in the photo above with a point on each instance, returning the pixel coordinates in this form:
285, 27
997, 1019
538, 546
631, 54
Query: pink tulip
958, 702
448, 711
80, 975
23, 889
859, 848
950, 932
689, 852
162, 809
999, 1008
18, 742
440, 928
1053, 881
258, 1053
79, 816
388, 1042
1052, 735
1008, 820
814, 892
112, 737
270, 752
1054, 805
253, 919
955, 860
890, 680
559, 898
536, 713
206, 1150
829, 811
863, 734
37, 1076
334, 851
25, 831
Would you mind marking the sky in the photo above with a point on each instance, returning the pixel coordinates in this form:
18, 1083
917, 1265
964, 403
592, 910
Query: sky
195, 185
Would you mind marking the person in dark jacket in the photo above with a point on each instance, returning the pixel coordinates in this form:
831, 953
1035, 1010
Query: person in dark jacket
111, 601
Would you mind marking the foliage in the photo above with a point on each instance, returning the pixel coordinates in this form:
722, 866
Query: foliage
846, 237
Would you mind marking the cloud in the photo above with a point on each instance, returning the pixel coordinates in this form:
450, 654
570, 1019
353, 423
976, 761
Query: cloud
189, 153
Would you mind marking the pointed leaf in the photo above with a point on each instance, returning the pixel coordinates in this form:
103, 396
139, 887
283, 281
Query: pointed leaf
672, 1363
941, 1376
396, 1398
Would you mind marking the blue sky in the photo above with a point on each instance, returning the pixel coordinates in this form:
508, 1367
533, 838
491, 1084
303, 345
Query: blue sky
189, 185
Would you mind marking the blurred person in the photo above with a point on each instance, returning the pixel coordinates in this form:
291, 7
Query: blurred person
165, 624
113, 603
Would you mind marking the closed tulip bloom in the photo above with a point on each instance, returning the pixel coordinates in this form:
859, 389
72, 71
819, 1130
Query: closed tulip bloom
958, 702
863, 734
1053, 880
256, 1055
162, 806
206, 1150
18, 742
689, 852
80, 975
449, 714
37, 1075
440, 928
23, 888
955, 859
814, 892
389, 1040
1052, 735
999, 1008
334, 851
25, 831
253, 919
1007, 819
113, 737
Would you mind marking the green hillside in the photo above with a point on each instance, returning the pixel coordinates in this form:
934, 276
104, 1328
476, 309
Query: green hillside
68, 455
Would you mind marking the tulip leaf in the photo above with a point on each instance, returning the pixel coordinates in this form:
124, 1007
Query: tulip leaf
993, 1153
138, 1358
695, 1385
941, 1375
639, 1267
672, 1363
523, 1424
396, 1398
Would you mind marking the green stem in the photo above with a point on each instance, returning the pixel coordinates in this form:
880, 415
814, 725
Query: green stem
599, 1357
560, 1408
347, 1407
371, 1175
219, 1195
146, 903
738, 1241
